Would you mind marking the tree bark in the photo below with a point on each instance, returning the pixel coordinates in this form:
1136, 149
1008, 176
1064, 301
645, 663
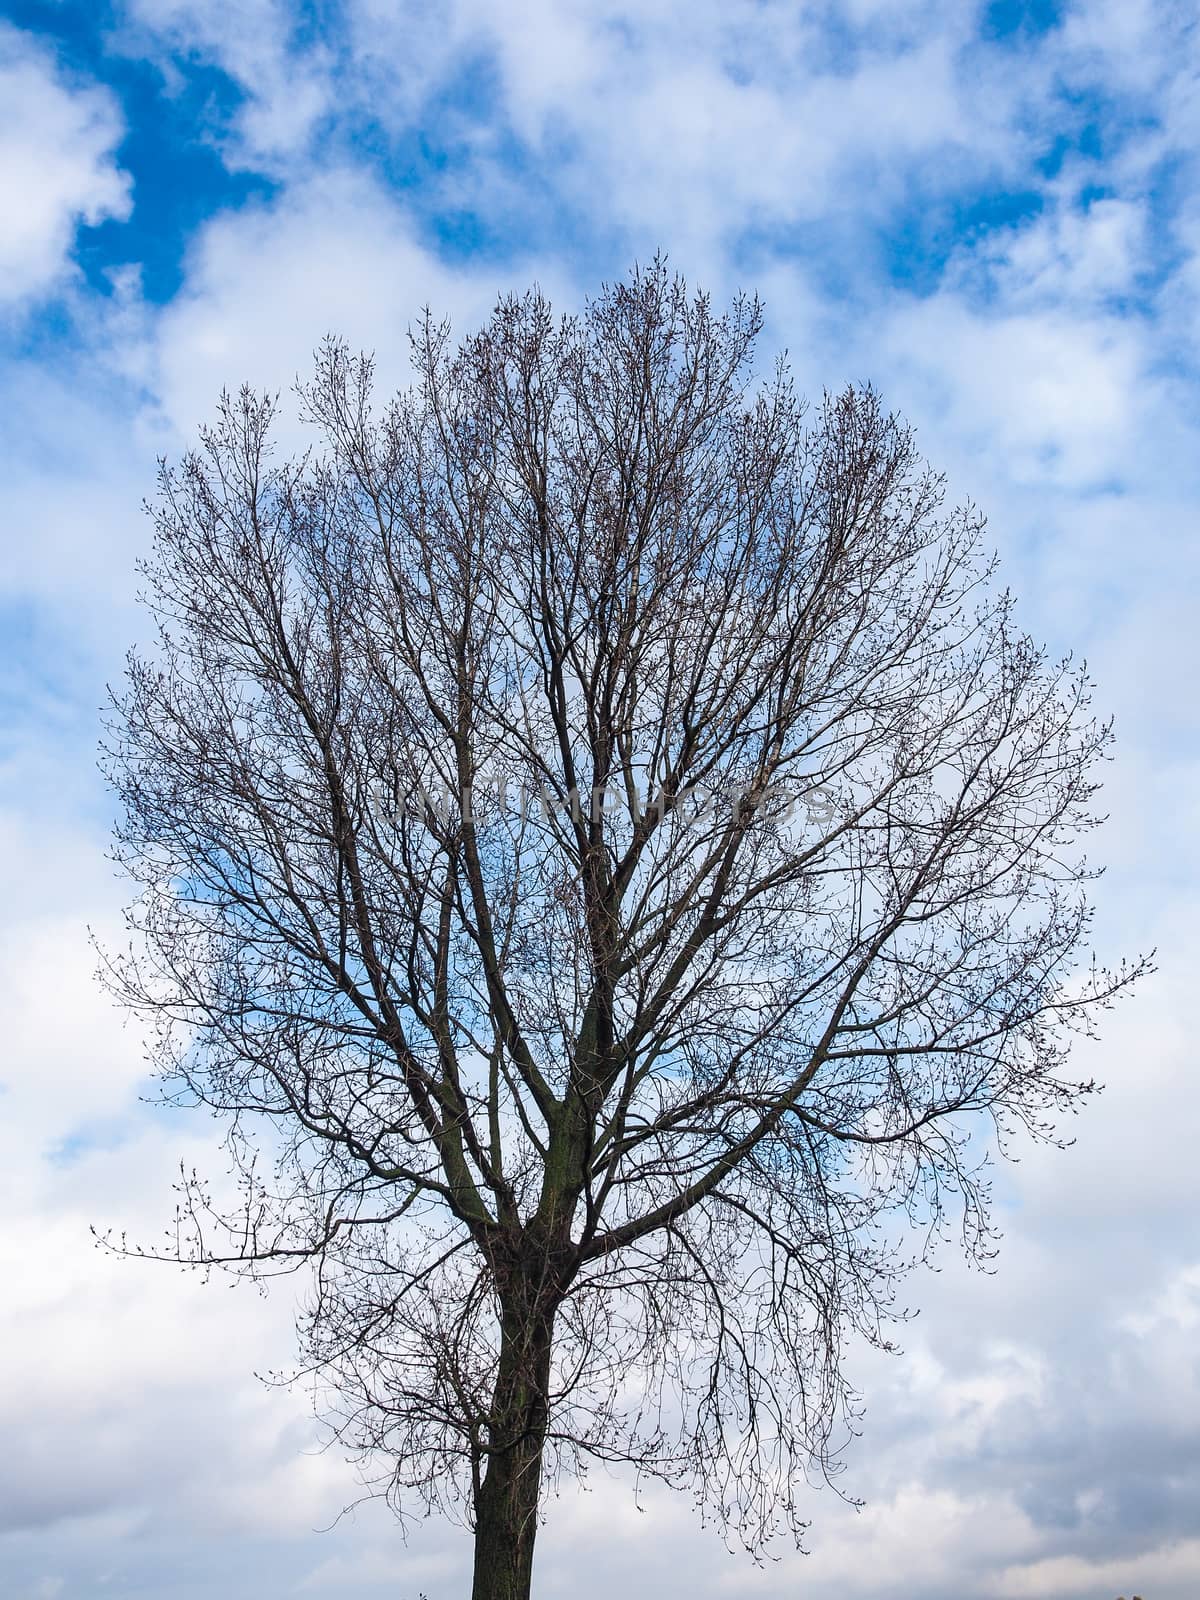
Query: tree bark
506, 1504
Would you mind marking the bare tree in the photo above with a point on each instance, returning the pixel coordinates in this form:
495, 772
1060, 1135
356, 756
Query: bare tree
604, 848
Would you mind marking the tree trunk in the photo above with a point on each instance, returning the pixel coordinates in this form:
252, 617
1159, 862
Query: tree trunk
507, 1502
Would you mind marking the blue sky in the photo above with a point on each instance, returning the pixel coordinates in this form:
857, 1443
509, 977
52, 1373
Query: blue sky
988, 210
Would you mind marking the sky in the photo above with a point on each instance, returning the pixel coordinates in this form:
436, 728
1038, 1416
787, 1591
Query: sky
992, 212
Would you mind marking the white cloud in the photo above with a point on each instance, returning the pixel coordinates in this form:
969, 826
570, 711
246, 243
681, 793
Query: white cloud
1070, 257
80, 457
57, 166
129, 1388
1173, 1570
1050, 397
335, 255
683, 124
287, 85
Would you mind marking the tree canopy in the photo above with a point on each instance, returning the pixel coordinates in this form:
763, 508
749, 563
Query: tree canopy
606, 850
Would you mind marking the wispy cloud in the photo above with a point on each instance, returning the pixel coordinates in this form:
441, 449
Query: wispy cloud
57, 166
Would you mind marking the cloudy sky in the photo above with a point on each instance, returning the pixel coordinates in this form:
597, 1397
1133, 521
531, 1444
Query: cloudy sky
990, 210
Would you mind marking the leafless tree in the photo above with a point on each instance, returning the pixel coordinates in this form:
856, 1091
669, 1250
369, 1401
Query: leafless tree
607, 853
